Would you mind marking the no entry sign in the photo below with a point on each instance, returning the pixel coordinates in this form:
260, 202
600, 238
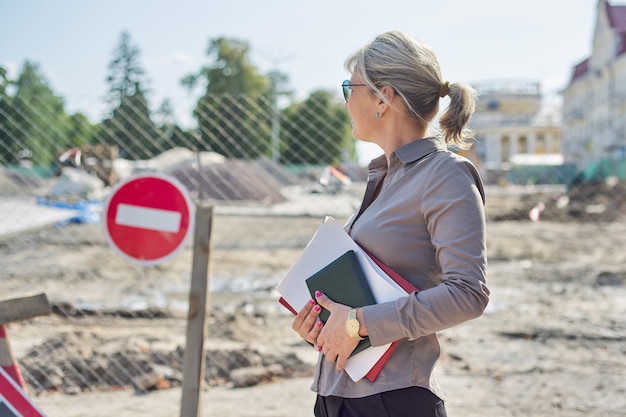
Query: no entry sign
148, 218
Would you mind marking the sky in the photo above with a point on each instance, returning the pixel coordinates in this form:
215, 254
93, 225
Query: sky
72, 41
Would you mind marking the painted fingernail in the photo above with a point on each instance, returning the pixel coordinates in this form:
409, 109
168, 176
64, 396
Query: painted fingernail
311, 302
317, 309
319, 324
318, 293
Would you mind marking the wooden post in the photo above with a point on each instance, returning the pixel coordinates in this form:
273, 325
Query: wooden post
24, 308
194, 359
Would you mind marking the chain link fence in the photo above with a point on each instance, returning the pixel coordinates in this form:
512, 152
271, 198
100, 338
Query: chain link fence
271, 173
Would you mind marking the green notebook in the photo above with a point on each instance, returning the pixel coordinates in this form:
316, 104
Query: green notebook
343, 281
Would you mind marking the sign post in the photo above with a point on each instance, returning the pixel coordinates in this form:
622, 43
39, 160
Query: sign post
195, 357
148, 218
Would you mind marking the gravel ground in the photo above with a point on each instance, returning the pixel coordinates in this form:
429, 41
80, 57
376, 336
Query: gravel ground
551, 342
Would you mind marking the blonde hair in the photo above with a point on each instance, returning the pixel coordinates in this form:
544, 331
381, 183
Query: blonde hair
412, 70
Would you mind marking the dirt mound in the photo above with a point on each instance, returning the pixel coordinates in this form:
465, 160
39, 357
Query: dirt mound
232, 180
593, 201
77, 361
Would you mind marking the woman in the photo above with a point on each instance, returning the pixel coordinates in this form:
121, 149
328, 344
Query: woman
423, 215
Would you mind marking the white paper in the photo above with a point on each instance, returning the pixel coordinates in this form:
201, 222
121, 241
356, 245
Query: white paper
328, 243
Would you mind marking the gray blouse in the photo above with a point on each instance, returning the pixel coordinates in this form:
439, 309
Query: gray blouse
423, 216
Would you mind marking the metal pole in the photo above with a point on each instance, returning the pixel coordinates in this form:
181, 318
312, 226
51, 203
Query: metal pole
275, 129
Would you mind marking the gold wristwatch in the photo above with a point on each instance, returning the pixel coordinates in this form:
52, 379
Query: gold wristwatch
353, 325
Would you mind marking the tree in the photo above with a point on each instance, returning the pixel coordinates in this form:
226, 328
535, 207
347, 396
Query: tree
170, 132
5, 121
4, 82
80, 129
316, 131
35, 118
234, 114
125, 72
129, 126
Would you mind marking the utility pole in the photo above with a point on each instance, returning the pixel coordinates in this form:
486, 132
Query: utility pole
275, 77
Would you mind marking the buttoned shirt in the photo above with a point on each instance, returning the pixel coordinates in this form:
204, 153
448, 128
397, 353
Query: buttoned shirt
423, 215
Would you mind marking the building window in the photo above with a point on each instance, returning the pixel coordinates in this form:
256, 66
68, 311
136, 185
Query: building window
556, 145
505, 149
522, 145
540, 144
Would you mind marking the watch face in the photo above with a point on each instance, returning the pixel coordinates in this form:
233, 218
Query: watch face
352, 326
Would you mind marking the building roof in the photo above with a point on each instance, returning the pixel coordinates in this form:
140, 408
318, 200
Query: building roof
617, 20
617, 17
580, 69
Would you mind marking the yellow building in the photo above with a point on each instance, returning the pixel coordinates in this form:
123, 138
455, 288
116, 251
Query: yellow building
513, 129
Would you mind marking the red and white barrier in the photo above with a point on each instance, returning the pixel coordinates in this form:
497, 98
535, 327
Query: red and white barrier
7, 361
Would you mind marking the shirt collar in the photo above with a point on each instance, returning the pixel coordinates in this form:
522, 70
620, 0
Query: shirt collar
411, 152
418, 149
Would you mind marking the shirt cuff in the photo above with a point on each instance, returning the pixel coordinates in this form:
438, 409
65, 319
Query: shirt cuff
382, 323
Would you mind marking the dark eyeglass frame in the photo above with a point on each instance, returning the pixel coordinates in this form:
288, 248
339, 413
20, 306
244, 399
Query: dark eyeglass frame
346, 87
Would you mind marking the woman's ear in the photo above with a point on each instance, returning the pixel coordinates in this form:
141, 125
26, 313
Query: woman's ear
388, 92
383, 105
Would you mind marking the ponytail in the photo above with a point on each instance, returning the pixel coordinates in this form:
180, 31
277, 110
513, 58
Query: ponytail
453, 121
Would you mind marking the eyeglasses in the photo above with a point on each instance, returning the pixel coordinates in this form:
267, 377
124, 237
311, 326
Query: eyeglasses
347, 88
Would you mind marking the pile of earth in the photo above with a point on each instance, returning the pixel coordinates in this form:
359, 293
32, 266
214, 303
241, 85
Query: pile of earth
78, 361
595, 201
235, 180
206, 175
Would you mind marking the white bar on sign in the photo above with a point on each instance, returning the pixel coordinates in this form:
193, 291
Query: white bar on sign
148, 218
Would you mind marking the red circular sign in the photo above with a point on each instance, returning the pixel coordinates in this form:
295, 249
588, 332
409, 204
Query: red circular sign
148, 218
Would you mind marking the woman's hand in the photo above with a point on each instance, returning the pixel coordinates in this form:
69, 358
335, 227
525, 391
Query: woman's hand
334, 341
306, 323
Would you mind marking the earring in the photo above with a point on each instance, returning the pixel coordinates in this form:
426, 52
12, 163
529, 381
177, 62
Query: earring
378, 115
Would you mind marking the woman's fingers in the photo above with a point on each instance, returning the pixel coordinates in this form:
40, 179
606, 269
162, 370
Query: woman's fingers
304, 323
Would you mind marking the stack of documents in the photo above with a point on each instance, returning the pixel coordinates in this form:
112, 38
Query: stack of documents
329, 242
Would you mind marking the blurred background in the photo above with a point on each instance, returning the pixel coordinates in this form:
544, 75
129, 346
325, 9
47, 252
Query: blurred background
241, 103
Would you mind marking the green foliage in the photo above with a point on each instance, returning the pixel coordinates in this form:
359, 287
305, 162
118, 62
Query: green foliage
130, 126
234, 113
80, 130
171, 134
4, 82
178, 136
231, 71
131, 129
6, 123
316, 131
125, 72
236, 126
237, 114
34, 120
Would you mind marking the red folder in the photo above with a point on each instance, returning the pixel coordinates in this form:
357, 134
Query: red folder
403, 283
406, 286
